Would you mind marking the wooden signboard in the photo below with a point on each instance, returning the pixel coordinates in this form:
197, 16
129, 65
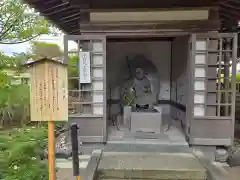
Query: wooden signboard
49, 90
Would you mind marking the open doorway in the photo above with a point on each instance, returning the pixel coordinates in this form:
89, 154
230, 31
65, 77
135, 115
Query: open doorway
147, 90
185, 90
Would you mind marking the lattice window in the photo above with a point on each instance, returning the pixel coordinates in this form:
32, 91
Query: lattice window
87, 98
213, 80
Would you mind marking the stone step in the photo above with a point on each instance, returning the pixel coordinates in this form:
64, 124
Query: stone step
64, 167
67, 163
157, 166
151, 148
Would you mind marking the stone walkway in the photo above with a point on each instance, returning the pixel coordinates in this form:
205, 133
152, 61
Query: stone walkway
172, 166
65, 170
64, 167
234, 172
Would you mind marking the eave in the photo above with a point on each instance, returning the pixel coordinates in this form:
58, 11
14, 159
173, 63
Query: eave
67, 14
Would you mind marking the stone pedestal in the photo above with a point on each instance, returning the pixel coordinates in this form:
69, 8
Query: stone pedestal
146, 121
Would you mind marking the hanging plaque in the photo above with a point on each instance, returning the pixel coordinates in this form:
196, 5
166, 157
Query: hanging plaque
85, 67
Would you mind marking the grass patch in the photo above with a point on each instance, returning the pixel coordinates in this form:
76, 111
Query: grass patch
20, 150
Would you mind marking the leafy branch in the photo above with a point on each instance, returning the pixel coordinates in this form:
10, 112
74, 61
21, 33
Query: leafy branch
19, 23
23, 41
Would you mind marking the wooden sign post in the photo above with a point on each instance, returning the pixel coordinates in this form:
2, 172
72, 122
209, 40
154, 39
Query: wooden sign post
49, 99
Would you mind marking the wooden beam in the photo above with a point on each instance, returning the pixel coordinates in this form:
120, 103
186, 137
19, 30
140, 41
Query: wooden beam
125, 4
70, 16
148, 9
60, 11
146, 16
139, 39
231, 9
57, 6
231, 14
46, 3
214, 13
204, 25
54, 11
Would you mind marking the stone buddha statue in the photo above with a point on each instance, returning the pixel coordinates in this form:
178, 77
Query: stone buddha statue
142, 88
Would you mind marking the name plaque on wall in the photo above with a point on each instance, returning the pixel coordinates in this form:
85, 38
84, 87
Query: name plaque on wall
85, 67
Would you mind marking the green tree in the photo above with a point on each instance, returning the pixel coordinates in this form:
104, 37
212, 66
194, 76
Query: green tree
19, 23
14, 62
14, 99
40, 49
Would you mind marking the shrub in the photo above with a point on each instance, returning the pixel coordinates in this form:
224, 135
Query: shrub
20, 151
14, 101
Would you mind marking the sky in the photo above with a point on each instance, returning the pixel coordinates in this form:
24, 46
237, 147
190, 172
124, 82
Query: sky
23, 47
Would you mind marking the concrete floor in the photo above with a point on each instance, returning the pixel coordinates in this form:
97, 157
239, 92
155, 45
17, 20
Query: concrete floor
234, 172
174, 136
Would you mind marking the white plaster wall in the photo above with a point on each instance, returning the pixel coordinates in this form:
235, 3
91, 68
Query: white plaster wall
158, 52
